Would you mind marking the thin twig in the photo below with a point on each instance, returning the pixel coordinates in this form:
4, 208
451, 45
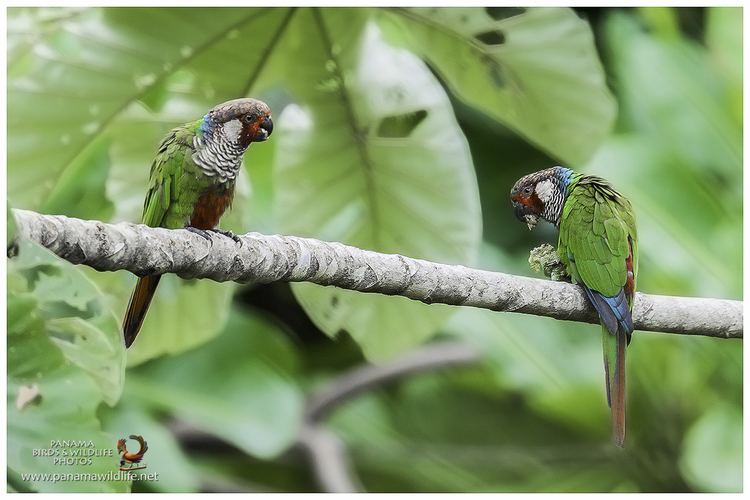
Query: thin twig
440, 355
328, 455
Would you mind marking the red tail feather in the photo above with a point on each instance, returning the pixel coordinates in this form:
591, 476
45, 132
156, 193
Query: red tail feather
618, 392
138, 306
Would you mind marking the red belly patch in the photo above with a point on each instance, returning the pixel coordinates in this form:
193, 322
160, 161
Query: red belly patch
210, 207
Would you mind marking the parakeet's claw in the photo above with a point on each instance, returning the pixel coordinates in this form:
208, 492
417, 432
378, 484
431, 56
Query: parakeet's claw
200, 232
228, 234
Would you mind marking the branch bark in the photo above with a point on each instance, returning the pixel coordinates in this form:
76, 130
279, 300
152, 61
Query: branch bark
328, 454
265, 259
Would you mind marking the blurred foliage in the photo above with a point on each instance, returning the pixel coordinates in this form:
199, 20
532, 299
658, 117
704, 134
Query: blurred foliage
64, 359
394, 126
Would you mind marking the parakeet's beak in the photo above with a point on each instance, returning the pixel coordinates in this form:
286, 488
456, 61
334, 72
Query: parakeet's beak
522, 213
264, 131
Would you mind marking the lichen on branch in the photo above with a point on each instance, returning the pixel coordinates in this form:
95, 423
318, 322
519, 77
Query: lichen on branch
544, 260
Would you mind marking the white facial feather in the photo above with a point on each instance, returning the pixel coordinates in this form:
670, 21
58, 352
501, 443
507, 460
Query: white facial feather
232, 130
545, 190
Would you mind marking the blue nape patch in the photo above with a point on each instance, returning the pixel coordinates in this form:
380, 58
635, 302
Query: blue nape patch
206, 125
564, 174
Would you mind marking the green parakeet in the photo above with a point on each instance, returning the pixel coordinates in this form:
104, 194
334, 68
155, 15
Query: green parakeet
192, 181
598, 246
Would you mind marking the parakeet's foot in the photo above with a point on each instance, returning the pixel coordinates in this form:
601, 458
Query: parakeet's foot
228, 234
544, 259
200, 232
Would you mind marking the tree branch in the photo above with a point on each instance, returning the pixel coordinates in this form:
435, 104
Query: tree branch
329, 459
265, 259
361, 379
328, 454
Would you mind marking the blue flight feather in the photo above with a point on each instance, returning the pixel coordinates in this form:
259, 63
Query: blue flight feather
614, 311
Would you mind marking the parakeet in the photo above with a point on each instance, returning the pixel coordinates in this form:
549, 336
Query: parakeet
598, 246
192, 181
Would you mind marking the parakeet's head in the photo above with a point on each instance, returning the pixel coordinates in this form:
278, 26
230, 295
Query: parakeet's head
241, 121
541, 195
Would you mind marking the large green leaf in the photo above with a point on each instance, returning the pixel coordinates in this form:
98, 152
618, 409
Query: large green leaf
184, 315
98, 89
534, 69
65, 356
371, 156
704, 134
76, 316
239, 387
78, 192
81, 72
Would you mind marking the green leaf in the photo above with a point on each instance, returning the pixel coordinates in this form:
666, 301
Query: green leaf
94, 345
82, 74
183, 315
675, 224
89, 109
705, 134
239, 387
64, 358
535, 70
80, 190
77, 318
712, 456
371, 155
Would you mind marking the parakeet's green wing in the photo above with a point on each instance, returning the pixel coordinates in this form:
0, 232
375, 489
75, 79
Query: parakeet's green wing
594, 230
164, 189
166, 170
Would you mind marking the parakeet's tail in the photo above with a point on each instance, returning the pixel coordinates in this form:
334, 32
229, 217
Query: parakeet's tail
614, 367
137, 307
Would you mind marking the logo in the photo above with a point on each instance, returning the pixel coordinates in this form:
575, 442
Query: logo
132, 460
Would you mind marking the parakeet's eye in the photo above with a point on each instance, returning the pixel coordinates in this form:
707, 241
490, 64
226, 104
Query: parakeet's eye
248, 118
527, 190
